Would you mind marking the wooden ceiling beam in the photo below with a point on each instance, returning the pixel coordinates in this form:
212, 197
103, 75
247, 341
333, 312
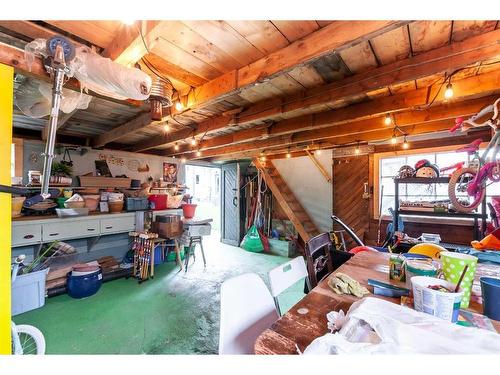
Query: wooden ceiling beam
122, 130
334, 37
32, 30
465, 88
445, 59
405, 121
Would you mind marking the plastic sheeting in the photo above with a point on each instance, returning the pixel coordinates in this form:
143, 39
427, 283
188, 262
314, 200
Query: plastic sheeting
34, 99
99, 74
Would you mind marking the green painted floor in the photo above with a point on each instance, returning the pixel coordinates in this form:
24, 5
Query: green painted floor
175, 313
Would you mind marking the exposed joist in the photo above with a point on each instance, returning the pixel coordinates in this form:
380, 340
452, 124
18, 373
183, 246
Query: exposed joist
448, 58
122, 130
359, 129
31, 30
464, 88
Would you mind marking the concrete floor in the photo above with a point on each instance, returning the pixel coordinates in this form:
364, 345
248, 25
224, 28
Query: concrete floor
175, 313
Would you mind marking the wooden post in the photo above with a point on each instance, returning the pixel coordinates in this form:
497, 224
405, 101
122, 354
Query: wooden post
319, 166
6, 105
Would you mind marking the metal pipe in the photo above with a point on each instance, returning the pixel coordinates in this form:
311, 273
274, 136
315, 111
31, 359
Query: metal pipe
51, 138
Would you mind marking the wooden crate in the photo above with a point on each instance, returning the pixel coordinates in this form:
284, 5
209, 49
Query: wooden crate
167, 230
104, 182
283, 248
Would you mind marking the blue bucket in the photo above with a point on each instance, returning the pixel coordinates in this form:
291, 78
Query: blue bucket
84, 285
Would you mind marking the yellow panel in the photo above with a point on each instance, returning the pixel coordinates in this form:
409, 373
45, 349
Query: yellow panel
6, 105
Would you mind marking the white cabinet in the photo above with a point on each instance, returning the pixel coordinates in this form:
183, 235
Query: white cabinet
70, 229
118, 224
26, 234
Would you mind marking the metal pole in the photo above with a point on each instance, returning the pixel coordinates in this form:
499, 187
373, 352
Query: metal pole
51, 138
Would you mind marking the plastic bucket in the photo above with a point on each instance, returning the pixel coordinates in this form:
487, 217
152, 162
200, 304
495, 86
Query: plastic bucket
440, 304
188, 210
419, 267
490, 290
453, 266
84, 285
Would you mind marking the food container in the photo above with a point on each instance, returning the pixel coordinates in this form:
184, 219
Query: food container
115, 206
74, 204
444, 305
396, 267
419, 267
17, 205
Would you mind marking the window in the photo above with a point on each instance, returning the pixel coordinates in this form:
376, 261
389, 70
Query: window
387, 166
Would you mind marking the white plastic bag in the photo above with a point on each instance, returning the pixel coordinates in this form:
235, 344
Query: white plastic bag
376, 326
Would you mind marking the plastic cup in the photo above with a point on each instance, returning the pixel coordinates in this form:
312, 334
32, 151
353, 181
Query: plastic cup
490, 290
453, 266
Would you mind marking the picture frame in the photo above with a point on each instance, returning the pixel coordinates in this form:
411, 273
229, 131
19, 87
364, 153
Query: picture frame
103, 206
170, 172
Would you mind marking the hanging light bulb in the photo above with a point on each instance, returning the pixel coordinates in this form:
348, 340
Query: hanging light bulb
388, 119
193, 141
448, 93
357, 150
183, 160
166, 127
318, 151
173, 156
394, 139
198, 153
176, 147
406, 145
179, 106
288, 155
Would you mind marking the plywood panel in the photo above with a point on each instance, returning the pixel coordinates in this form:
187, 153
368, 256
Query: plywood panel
227, 39
176, 56
392, 46
195, 44
262, 34
465, 29
427, 35
286, 84
359, 58
307, 76
403, 87
331, 68
100, 33
294, 30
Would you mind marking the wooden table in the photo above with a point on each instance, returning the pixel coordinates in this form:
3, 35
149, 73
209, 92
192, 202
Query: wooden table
295, 328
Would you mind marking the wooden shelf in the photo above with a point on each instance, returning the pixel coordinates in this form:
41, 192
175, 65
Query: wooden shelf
422, 180
440, 214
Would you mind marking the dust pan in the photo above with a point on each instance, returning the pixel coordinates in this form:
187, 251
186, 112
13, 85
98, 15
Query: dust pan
251, 241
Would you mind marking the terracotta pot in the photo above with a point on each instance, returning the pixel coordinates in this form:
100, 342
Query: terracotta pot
91, 203
115, 206
17, 205
74, 204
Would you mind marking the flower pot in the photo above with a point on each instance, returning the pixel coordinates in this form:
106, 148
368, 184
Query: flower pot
17, 205
115, 206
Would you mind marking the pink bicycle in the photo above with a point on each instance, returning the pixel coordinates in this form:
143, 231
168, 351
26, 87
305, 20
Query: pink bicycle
467, 186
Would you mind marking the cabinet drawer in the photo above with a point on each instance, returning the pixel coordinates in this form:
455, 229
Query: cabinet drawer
116, 225
70, 230
28, 234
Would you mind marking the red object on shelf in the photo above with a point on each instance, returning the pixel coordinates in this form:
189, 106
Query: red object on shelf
159, 201
188, 210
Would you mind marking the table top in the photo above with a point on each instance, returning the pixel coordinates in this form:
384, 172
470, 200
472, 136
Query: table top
294, 329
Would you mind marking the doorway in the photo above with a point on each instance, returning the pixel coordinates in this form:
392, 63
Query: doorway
204, 183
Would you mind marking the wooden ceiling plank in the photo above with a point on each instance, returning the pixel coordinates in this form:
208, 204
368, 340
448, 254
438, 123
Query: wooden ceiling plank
123, 130
427, 35
359, 58
293, 30
262, 34
307, 76
31, 30
466, 29
100, 33
392, 46
175, 71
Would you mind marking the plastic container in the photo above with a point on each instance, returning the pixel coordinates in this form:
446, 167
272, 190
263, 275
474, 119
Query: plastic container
137, 204
62, 261
188, 210
60, 201
28, 292
85, 285
440, 304
71, 212
172, 256
419, 267
158, 201
490, 290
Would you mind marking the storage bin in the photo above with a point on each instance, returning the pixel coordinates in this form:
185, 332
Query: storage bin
158, 201
28, 292
282, 248
198, 230
172, 256
136, 204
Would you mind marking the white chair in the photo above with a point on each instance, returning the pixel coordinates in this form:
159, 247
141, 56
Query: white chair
285, 275
247, 310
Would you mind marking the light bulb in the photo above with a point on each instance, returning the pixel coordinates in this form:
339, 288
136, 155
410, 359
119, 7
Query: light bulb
357, 150
178, 106
262, 158
183, 160
388, 119
128, 22
448, 93
176, 147
193, 142
288, 155
318, 151
394, 140
406, 145
198, 153
166, 128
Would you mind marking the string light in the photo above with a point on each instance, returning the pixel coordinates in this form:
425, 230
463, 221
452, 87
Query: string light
176, 147
179, 106
262, 156
198, 153
357, 150
318, 151
406, 145
448, 93
166, 127
183, 160
288, 155
388, 119
193, 141
394, 139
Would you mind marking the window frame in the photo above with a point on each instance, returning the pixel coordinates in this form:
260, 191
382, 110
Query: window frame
430, 150
19, 156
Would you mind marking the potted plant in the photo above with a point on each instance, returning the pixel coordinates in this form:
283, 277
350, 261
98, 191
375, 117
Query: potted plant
61, 173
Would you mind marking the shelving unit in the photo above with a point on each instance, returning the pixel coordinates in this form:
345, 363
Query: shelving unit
478, 234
